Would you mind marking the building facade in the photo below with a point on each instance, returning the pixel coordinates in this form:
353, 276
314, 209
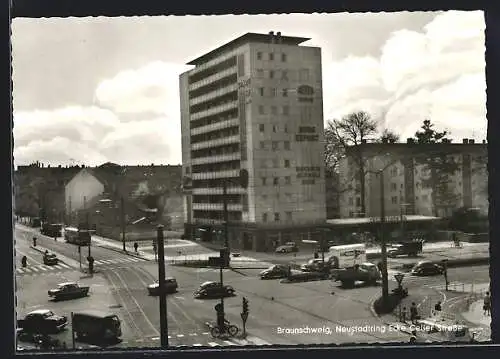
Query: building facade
406, 189
255, 103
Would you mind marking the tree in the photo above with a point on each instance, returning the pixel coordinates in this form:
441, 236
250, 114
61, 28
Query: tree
439, 165
388, 136
350, 132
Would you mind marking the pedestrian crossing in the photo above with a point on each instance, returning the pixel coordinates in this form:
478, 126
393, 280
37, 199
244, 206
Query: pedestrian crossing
42, 268
118, 261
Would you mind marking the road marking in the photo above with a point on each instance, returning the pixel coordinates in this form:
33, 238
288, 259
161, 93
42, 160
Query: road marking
35, 269
213, 344
205, 333
97, 262
58, 266
197, 345
134, 259
229, 343
155, 338
64, 265
169, 337
19, 270
179, 297
43, 267
180, 335
193, 334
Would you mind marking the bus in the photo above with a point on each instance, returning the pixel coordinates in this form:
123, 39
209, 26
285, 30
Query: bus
51, 229
77, 236
347, 255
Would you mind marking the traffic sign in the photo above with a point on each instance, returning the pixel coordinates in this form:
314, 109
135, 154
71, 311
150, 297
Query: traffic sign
244, 316
399, 277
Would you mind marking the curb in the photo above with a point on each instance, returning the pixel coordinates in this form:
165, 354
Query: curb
122, 252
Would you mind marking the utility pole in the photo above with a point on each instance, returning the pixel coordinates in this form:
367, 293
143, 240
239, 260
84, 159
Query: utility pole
385, 280
226, 214
122, 208
88, 230
161, 284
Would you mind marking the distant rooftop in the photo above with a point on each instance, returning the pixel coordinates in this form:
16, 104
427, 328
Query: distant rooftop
249, 37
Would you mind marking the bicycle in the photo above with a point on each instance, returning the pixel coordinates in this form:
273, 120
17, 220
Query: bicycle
229, 328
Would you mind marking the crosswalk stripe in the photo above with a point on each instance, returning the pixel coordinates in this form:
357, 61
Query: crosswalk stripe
197, 345
35, 269
44, 268
97, 262
134, 259
180, 335
27, 270
19, 270
213, 344
228, 342
64, 265
57, 266
169, 337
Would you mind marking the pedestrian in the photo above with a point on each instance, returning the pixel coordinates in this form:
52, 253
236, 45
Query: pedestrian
403, 315
316, 255
437, 307
135, 247
413, 313
487, 304
413, 338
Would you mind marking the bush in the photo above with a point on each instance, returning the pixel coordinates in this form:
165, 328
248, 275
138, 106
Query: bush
392, 302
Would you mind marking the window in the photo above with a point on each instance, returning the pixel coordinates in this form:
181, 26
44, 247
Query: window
271, 56
259, 55
286, 145
276, 217
350, 201
284, 75
261, 110
284, 92
262, 128
261, 91
287, 163
288, 180
418, 185
271, 74
275, 145
393, 186
260, 73
273, 92
274, 111
275, 128
276, 181
275, 163
286, 128
394, 199
264, 217
283, 57
358, 201
286, 110
263, 181
402, 186
304, 75
288, 216
262, 145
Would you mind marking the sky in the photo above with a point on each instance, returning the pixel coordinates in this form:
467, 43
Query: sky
97, 89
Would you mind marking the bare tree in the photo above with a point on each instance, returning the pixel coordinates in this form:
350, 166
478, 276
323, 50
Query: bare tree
388, 136
350, 132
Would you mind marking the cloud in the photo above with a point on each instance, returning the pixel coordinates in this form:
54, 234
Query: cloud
153, 88
137, 121
437, 73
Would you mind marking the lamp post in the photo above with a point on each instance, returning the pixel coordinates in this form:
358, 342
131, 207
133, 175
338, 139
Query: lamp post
383, 244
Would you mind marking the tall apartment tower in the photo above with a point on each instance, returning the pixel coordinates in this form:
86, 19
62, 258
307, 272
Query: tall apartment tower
255, 103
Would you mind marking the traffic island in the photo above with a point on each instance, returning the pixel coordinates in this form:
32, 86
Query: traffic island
451, 263
381, 308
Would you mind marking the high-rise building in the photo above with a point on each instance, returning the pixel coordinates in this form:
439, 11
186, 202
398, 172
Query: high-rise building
255, 103
407, 189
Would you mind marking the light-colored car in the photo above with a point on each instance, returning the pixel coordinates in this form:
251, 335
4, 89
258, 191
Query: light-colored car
170, 286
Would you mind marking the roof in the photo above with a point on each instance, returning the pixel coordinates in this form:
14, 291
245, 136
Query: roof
40, 311
364, 220
248, 37
66, 283
95, 313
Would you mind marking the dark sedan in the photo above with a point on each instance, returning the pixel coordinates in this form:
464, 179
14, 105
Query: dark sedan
170, 287
50, 259
274, 272
213, 290
426, 269
42, 321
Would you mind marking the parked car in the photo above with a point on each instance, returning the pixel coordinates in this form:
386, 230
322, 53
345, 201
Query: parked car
68, 290
274, 272
213, 290
365, 272
42, 321
170, 287
288, 247
306, 276
425, 268
50, 259
410, 248
92, 324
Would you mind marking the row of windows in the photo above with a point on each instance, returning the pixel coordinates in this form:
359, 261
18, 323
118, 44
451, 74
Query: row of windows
275, 163
303, 74
271, 92
277, 217
284, 110
275, 145
262, 128
271, 56
276, 181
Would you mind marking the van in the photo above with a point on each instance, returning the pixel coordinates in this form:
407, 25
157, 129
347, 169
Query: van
96, 325
348, 255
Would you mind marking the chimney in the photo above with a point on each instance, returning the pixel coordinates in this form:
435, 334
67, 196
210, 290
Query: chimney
271, 37
471, 141
278, 37
465, 141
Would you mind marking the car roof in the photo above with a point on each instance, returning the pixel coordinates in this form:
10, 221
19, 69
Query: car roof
40, 311
95, 313
207, 283
66, 283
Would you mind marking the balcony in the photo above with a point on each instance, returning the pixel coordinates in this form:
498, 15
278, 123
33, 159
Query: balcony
214, 94
211, 63
217, 207
215, 126
217, 190
207, 221
215, 175
214, 110
216, 143
216, 159
213, 78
